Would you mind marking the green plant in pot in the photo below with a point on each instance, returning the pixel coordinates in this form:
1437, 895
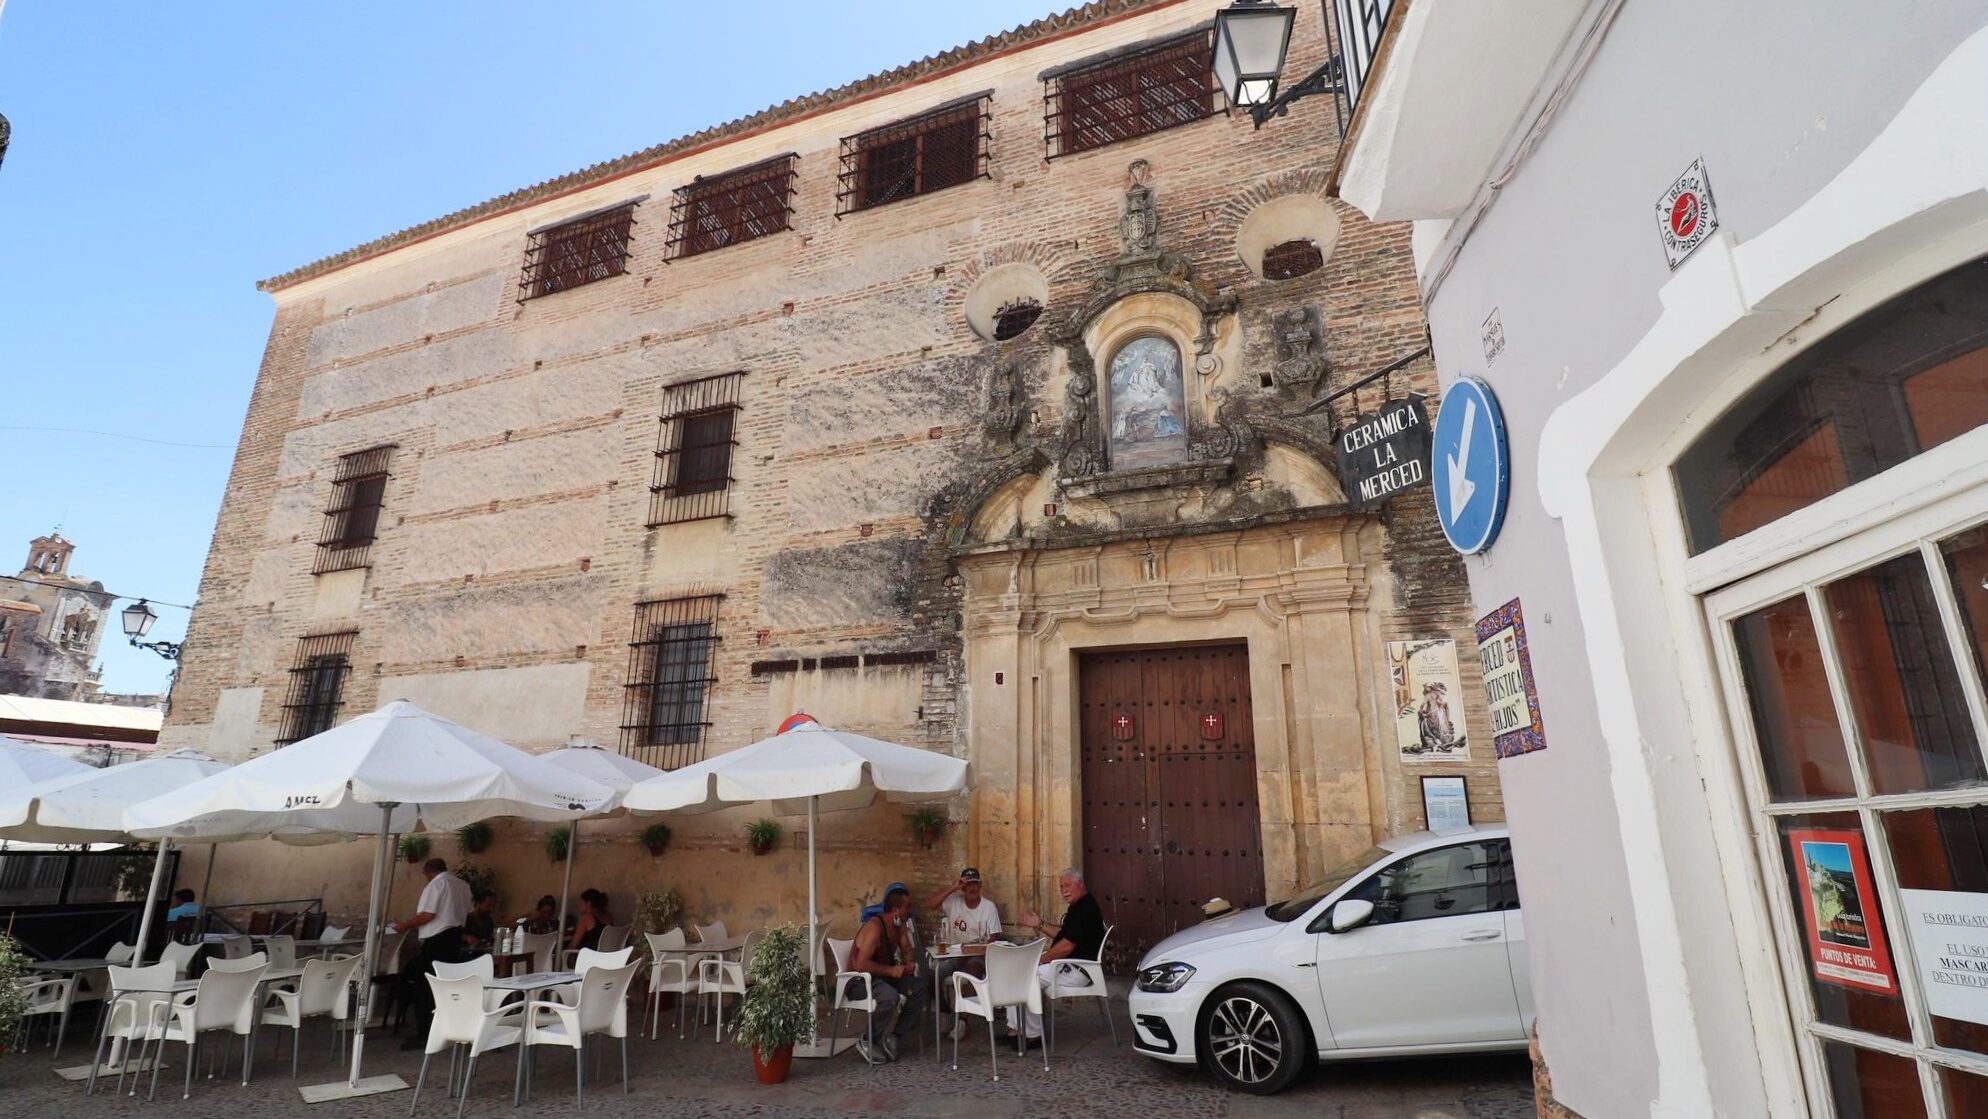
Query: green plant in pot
778, 1010
556, 842
656, 838
480, 878
13, 999
413, 848
474, 838
762, 836
926, 824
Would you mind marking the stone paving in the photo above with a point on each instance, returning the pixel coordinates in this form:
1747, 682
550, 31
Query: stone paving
700, 1079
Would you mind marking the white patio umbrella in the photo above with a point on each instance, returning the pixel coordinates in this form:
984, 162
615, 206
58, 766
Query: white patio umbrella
24, 769
588, 759
402, 765
805, 768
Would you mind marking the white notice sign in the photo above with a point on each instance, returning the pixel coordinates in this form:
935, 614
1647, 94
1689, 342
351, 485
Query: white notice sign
1949, 933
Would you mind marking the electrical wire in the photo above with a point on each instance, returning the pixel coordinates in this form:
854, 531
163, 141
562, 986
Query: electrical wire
121, 435
86, 590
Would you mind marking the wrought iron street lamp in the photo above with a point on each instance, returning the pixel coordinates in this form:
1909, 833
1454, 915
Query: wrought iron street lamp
138, 619
1252, 38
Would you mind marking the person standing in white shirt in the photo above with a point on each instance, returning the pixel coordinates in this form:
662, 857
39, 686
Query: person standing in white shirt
966, 917
443, 907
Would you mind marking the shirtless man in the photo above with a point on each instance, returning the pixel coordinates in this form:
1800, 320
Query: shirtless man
881, 942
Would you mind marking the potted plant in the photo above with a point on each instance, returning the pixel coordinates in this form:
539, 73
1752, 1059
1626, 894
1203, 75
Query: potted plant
778, 1009
480, 878
762, 836
413, 848
656, 837
926, 824
13, 1000
556, 842
473, 838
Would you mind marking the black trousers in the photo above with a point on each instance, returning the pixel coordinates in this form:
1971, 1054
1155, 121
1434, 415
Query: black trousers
445, 946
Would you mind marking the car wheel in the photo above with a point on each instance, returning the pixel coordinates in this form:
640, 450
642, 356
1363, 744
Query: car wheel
1252, 1038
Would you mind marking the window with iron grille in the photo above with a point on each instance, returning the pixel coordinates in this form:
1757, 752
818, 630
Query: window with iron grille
669, 680
1130, 94
932, 151
317, 685
1292, 259
742, 205
358, 490
694, 450
578, 252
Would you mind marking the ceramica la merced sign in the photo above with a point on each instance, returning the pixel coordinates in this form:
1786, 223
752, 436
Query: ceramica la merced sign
1386, 452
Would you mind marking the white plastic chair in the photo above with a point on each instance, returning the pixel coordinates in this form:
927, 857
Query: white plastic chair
718, 977
138, 1000
332, 934
602, 1008
323, 991
613, 938
120, 953
1011, 981
225, 1000
460, 1020
44, 997
713, 931
388, 960
282, 951
1081, 979
236, 947
180, 956
845, 1001
542, 946
484, 967
665, 964
584, 961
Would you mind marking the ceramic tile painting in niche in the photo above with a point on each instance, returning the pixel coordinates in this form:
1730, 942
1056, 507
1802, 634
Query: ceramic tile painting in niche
1148, 408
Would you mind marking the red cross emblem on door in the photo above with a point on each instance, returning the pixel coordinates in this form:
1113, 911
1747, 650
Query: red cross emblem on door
1211, 725
1122, 726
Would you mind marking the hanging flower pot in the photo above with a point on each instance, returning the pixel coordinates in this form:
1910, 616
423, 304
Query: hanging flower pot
762, 836
556, 842
656, 838
413, 848
926, 824
772, 1070
474, 838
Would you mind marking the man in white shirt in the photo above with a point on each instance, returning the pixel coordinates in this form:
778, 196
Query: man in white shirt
438, 922
966, 917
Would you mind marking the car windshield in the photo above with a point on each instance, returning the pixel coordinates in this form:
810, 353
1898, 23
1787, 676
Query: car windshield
1298, 904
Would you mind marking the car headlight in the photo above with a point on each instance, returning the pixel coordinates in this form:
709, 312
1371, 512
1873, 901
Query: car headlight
1165, 978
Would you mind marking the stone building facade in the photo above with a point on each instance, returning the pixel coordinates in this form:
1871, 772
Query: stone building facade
51, 625
1020, 457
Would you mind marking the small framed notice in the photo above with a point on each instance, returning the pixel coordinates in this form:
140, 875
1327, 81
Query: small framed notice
1446, 804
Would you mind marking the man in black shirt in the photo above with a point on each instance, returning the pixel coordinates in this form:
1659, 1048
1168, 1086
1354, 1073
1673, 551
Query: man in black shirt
1079, 937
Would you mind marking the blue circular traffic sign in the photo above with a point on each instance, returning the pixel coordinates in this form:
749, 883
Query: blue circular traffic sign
1470, 466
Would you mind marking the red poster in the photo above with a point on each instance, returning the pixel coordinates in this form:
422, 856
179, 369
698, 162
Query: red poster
1839, 906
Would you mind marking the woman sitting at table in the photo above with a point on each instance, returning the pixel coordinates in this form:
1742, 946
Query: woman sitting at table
594, 916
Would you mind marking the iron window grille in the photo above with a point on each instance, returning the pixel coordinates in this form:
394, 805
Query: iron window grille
742, 205
352, 522
1014, 319
932, 151
1146, 89
317, 685
670, 675
694, 450
578, 252
1291, 259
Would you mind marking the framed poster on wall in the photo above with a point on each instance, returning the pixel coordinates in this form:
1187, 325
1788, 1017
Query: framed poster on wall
1839, 905
1428, 701
1446, 804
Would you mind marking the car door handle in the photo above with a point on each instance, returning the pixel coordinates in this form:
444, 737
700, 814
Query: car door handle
1483, 934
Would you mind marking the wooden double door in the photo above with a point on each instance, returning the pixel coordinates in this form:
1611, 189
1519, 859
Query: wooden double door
1169, 789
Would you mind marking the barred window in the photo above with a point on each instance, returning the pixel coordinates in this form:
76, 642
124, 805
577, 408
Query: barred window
317, 685
669, 680
358, 490
577, 252
694, 450
1292, 259
742, 205
944, 147
1129, 94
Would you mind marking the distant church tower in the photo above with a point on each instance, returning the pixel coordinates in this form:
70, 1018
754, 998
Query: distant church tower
51, 625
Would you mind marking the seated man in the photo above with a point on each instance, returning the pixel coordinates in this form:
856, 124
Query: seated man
544, 917
1079, 937
967, 917
479, 929
184, 907
881, 942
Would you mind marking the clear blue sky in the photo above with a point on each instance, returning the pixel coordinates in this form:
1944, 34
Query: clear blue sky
168, 155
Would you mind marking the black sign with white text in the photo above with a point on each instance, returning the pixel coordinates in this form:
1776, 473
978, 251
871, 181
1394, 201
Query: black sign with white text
1384, 453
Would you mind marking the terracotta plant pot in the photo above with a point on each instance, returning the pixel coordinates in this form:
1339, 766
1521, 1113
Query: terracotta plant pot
761, 846
772, 1071
927, 836
656, 849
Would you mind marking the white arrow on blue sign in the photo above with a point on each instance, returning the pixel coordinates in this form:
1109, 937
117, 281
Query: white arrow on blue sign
1470, 466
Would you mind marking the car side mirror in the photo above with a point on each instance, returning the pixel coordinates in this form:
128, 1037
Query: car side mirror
1350, 913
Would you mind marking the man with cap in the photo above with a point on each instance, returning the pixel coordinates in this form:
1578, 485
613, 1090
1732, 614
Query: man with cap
966, 917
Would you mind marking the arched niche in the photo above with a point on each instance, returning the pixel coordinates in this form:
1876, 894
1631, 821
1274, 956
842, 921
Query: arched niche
1142, 349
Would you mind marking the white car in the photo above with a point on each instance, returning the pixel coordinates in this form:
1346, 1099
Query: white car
1415, 947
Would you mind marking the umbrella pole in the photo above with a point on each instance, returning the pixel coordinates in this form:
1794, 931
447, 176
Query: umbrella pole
814, 944
206, 883
151, 903
566, 890
368, 957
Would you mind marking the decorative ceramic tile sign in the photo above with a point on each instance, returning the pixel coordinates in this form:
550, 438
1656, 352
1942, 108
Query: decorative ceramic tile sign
1516, 727
1839, 905
1949, 934
1385, 452
1686, 217
1148, 404
1428, 701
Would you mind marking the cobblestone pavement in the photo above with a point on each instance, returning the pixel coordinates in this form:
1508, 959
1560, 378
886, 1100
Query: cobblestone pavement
700, 1079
